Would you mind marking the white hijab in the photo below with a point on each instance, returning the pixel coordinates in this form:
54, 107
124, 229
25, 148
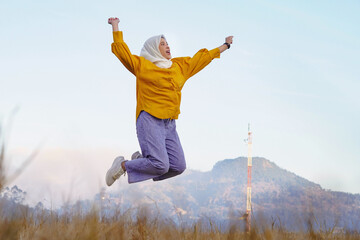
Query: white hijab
151, 52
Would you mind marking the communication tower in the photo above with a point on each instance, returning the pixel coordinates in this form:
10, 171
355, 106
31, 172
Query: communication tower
248, 189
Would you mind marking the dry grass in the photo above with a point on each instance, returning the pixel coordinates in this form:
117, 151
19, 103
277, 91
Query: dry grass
4, 178
2, 158
142, 227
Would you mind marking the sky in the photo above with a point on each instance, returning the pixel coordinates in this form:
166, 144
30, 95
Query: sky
292, 73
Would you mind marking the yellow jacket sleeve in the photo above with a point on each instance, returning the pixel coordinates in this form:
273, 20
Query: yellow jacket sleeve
122, 52
191, 66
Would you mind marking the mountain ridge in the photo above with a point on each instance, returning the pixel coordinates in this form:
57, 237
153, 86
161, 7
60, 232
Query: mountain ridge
278, 197
221, 192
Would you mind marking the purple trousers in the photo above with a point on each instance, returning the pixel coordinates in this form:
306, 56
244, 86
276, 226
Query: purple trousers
163, 156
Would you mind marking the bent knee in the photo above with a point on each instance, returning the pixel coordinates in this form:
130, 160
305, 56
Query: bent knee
161, 169
179, 169
182, 169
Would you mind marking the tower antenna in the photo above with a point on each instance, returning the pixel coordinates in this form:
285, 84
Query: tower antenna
248, 192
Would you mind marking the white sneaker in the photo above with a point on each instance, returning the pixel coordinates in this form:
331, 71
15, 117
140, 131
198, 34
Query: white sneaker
115, 171
136, 155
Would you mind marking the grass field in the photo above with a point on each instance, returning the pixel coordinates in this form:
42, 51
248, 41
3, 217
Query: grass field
126, 226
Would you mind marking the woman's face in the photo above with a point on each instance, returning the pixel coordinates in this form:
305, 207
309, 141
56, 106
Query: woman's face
164, 49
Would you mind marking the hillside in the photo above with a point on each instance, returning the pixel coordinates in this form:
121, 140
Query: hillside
220, 194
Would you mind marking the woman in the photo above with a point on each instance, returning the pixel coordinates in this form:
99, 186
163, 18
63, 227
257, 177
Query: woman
159, 80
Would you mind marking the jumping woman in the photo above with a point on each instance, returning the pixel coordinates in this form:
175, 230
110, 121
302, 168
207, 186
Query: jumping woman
159, 80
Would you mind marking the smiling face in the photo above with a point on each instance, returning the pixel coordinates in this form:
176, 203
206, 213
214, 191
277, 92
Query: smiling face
164, 49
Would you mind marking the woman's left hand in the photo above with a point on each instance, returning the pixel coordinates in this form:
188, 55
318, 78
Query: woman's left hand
229, 39
226, 45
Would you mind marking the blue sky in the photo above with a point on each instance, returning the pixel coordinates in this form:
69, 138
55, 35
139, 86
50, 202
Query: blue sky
292, 72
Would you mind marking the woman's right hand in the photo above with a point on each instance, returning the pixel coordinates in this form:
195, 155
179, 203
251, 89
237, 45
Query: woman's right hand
113, 21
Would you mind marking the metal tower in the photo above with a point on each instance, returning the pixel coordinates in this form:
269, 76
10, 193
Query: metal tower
248, 195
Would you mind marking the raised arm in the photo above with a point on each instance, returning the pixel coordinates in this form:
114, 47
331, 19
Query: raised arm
114, 22
121, 50
226, 45
191, 66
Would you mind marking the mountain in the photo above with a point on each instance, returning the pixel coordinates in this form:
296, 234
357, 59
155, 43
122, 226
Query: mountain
278, 197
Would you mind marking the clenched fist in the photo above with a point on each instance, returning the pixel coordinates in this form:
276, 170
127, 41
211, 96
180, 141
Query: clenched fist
113, 21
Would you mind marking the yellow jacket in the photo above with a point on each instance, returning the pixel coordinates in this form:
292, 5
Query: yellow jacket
158, 90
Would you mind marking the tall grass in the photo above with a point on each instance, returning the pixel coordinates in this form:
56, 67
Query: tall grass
142, 227
2, 159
